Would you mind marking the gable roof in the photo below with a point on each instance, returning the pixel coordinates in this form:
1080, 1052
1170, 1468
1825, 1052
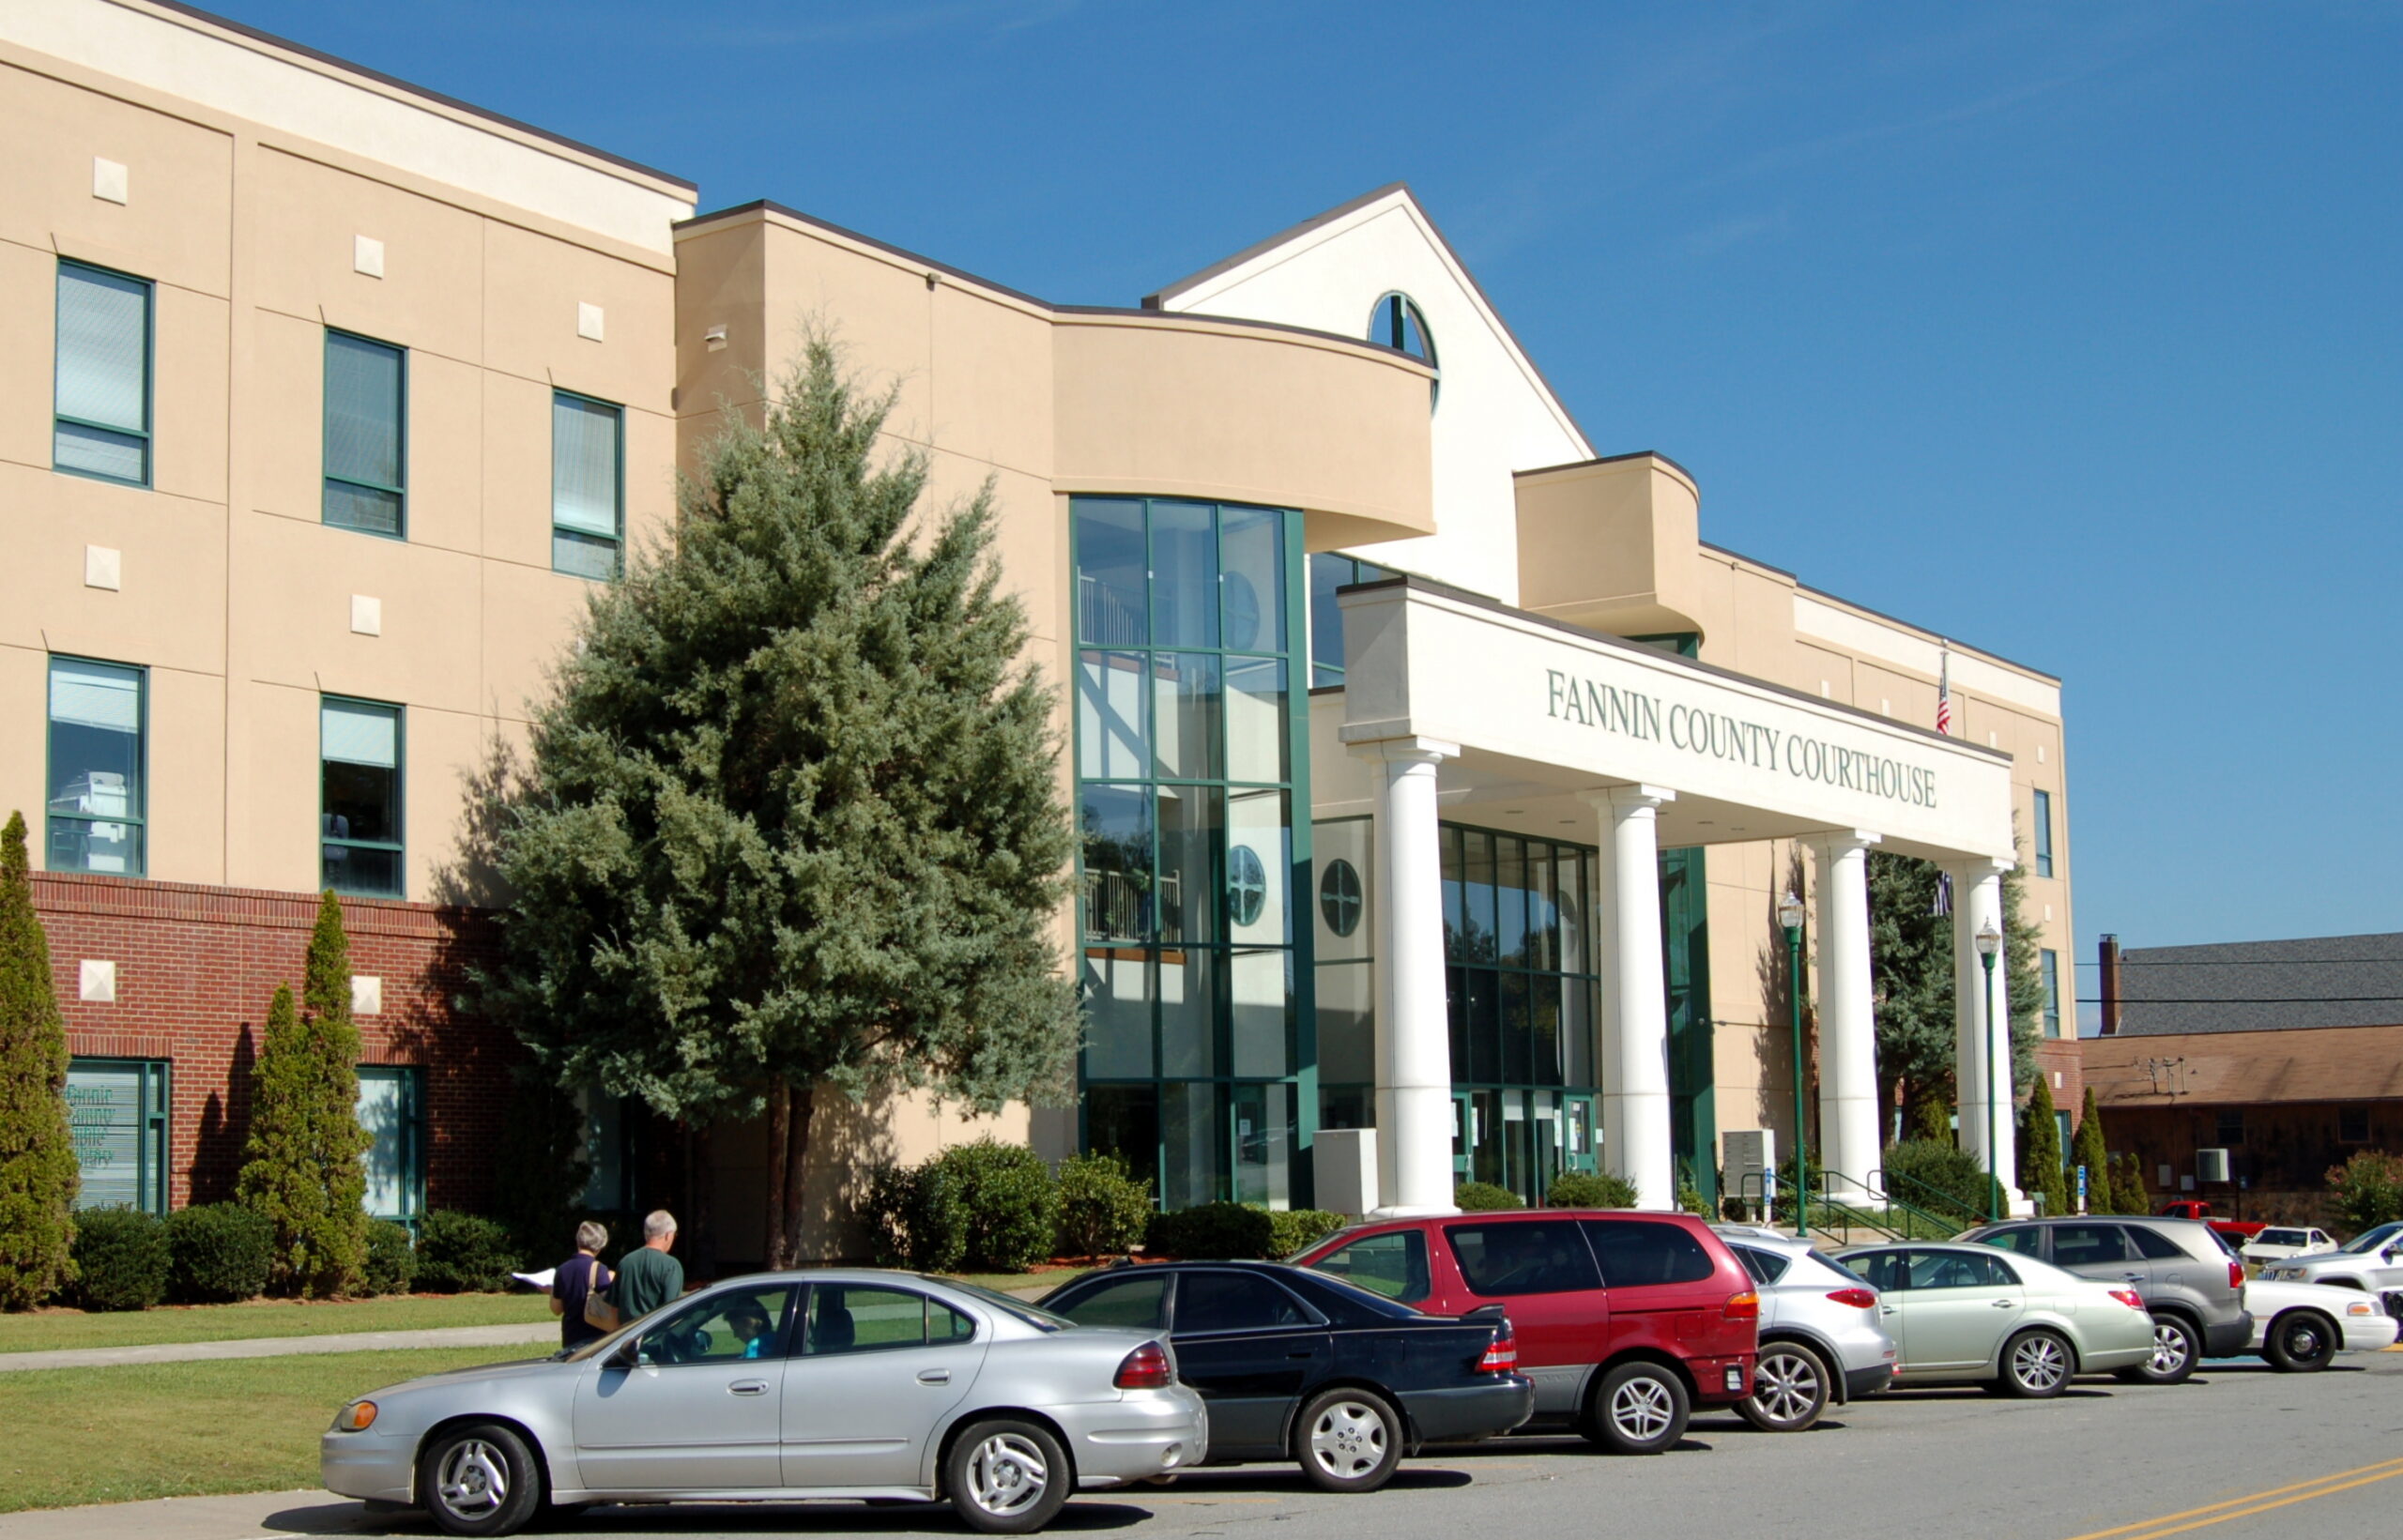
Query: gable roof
2257, 986
1194, 290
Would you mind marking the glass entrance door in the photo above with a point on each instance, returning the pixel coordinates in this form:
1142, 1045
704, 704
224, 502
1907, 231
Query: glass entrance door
1577, 1134
1463, 1135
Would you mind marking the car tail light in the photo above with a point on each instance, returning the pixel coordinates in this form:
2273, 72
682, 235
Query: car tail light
2235, 1274
1146, 1368
1859, 1299
1743, 1306
1502, 1357
2128, 1297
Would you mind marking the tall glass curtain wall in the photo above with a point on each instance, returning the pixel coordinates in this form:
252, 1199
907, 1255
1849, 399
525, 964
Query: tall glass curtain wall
1189, 763
1693, 1071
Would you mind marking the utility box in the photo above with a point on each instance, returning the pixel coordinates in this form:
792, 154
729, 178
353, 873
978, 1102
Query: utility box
2210, 1166
1749, 1156
1344, 1161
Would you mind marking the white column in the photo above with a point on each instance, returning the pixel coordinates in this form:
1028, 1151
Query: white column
1848, 1144
1982, 1071
1635, 1001
1414, 1037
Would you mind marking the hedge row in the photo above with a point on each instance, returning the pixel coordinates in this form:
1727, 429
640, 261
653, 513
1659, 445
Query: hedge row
221, 1252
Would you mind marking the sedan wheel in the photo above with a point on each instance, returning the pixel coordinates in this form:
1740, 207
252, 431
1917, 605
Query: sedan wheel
1789, 1389
2175, 1352
1639, 1409
1006, 1477
479, 1481
1348, 1440
2300, 1342
2036, 1364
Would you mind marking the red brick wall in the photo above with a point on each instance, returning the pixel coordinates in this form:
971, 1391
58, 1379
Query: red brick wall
195, 969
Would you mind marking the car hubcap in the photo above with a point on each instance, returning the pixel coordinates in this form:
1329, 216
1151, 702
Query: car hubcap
1640, 1410
2303, 1341
1348, 1440
1007, 1475
2169, 1348
2038, 1363
473, 1481
1785, 1388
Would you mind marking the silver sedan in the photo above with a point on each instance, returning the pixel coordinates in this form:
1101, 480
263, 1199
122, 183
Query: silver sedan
2015, 1324
845, 1383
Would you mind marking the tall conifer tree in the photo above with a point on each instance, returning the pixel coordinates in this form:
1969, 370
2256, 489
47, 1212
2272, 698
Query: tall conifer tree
2088, 1149
37, 1171
794, 818
2040, 1149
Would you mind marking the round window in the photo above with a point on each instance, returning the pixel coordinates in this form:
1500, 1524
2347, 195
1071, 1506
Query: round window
1242, 604
1340, 897
1246, 885
1397, 322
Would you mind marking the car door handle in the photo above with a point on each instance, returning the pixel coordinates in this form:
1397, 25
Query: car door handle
1885, 1309
747, 1387
2133, 1277
1301, 1355
934, 1377
2006, 1305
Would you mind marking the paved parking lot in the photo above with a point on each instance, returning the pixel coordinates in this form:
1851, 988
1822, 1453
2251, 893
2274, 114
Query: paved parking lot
2237, 1452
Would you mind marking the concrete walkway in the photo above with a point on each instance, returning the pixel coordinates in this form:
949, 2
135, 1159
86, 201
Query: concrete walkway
278, 1346
237, 1518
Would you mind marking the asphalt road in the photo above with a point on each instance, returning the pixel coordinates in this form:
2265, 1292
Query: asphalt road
2237, 1452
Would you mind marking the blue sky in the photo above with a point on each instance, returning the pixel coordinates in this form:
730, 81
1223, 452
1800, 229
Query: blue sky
2071, 330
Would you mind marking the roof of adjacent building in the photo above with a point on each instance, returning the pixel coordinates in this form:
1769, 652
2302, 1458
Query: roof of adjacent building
2262, 987
2205, 1069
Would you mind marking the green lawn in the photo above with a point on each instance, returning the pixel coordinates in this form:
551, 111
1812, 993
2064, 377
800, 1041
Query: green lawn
41, 1330
146, 1430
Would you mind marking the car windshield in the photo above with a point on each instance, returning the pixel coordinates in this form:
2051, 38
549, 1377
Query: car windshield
1033, 1314
2283, 1238
2370, 1240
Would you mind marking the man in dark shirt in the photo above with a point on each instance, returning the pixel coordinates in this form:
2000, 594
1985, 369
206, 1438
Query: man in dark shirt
647, 1278
575, 1278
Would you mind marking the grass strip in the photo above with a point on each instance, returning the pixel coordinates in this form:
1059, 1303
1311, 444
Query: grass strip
43, 1330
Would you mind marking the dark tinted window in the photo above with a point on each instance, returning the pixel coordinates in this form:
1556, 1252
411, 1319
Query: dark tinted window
2154, 1247
1957, 1270
1765, 1267
1882, 1270
1533, 1256
1234, 1302
1140, 1301
2086, 1245
1393, 1264
1641, 1251
2027, 1239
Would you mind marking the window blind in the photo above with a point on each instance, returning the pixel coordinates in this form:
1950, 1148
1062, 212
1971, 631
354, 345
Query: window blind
86, 694
363, 411
103, 334
584, 465
353, 734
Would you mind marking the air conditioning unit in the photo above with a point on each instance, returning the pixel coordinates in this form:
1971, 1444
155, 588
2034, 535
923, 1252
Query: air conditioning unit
2212, 1166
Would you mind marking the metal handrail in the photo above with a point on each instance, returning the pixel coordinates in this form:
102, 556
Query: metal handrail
1927, 1195
1847, 1211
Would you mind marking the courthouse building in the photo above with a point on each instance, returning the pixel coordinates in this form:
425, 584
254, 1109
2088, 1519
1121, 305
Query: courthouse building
1436, 776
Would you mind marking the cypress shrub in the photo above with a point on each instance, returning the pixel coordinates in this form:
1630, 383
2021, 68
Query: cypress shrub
217, 1253
2040, 1149
2088, 1149
2129, 1192
1290, 1230
1102, 1210
1484, 1198
463, 1253
392, 1257
1011, 1203
1590, 1190
120, 1260
38, 1176
1217, 1231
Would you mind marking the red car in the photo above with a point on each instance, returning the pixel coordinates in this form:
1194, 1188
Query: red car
1626, 1321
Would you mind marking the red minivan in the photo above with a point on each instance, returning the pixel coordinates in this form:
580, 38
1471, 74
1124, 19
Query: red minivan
1626, 1320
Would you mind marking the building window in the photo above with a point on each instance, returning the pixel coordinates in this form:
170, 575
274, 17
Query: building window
97, 782
359, 797
2050, 961
392, 1108
2231, 1126
2353, 1125
588, 486
1188, 626
366, 435
103, 385
1340, 897
118, 1108
2044, 833
1328, 573
1397, 322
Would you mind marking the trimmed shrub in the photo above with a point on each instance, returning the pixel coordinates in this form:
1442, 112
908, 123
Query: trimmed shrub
2040, 1149
1590, 1190
1935, 1170
914, 1218
1011, 1203
37, 1170
217, 1253
1485, 1198
463, 1253
1102, 1210
1228, 1232
392, 1257
2366, 1190
1293, 1230
2128, 1189
120, 1260
2086, 1149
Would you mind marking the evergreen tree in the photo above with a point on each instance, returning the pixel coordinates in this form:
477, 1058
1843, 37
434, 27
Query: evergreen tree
37, 1171
793, 818
1910, 970
303, 1162
2129, 1195
2088, 1151
2023, 979
2040, 1149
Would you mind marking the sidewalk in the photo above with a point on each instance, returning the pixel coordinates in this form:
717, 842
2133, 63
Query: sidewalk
278, 1346
240, 1516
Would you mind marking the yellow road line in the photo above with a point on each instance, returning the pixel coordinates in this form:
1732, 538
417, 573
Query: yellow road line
2302, 1491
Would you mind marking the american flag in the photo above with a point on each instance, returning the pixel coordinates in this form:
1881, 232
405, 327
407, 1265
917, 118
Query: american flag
1944, 725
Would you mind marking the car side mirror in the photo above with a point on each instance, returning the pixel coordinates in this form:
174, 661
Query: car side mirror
626, 1354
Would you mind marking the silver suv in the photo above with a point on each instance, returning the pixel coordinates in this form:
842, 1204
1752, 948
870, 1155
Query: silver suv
1821, 1337
2189, 1277
2371, 1261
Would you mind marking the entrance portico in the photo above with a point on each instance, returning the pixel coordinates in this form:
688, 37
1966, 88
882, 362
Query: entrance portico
1454, 703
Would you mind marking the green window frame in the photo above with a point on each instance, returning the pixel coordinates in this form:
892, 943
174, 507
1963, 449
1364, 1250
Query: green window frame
93, 825
2044, 833
362, 824
100, 383
366, 436
117, 1109
588, 486
2049, 962
391, 1108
